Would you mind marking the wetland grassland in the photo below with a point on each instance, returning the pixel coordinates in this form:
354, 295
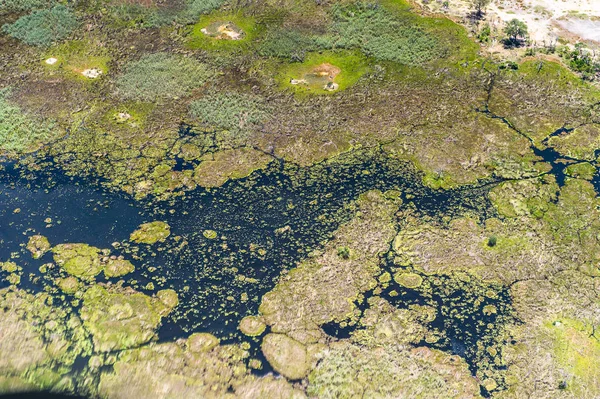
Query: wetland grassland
292, 199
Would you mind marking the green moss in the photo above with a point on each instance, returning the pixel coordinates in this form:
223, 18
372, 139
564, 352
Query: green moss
9, 267
150, 233
246, 24
577, 350
216, 169
120, 319
68, 285
118, 268
347, 66
210, 234
287, 356
80, 260
201, 342
38, 245
408, 280
252, 326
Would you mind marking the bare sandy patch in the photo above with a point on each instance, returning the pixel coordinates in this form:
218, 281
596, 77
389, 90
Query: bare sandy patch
223, 31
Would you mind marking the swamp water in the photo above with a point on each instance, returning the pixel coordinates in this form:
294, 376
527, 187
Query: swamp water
265, 224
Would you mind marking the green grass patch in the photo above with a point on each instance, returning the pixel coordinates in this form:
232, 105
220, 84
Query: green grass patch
199, 40
24, 5
351, 64
577, 350
128, 115
75, 57
381, 34
238, 113
161, 75
20, 132
43, 27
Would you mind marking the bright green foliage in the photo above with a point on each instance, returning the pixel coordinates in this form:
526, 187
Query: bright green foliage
516, 29
581, 60
380, 34
43, 27
161, 75
232, 111
18, 131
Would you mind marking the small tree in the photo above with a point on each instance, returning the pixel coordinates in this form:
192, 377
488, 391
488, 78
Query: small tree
480, 6
516, 30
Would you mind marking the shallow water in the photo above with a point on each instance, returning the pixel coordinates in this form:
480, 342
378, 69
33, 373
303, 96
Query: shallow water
265, 223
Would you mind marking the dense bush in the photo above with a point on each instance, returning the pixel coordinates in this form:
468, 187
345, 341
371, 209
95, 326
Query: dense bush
43, 27
18, 131
289, 44
24, 5
195, 8
151, 17
161, 75
380, 34
581, 60
232, 111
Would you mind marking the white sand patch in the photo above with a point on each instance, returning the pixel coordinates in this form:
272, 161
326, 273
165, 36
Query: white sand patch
546, 19
51, 61
223, 31
92, 73
585, 29
123, 116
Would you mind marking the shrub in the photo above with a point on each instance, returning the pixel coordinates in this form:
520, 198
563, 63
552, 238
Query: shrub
516, 30
289, 44
380, 34
43, 27
232, 111
18, 131
23, 5
581, 60
343, 252
195, 8
161, 75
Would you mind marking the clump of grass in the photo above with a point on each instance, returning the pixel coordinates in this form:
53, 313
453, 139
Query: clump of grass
161, 75
43, 27
24, 5
380, 34
18, 131
232, 111
289, 44
136, 15
195, 8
